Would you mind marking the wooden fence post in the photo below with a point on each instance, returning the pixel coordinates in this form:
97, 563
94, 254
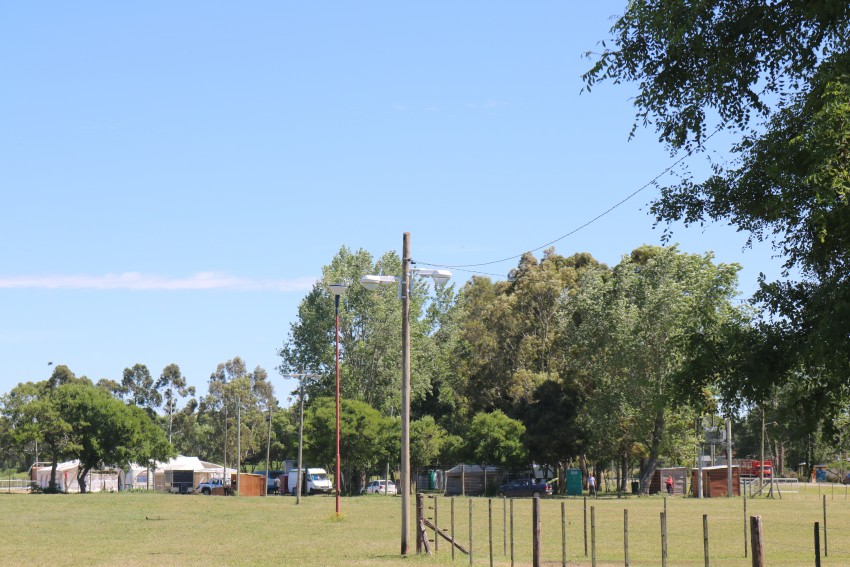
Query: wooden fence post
705, 538
563, 534
504, 525
535, 522
663, 539
453, 528
437, 524
470, 531
757, 543
626, 536
825, 543
593, 536
419, 524
746, 547
817, 545
585, 526
512, 532
490, 527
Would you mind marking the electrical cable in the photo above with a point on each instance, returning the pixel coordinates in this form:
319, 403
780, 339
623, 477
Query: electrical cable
586, 224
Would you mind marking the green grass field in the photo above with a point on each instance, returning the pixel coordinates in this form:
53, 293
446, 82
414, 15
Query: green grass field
141, 528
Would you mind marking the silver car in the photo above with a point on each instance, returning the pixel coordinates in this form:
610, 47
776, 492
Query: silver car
381, 487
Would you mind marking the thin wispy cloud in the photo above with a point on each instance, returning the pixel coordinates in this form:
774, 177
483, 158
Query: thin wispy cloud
136, 281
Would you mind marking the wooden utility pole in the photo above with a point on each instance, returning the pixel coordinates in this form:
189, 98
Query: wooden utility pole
405, 392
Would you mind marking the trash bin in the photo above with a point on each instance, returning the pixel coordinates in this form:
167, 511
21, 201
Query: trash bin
635, 487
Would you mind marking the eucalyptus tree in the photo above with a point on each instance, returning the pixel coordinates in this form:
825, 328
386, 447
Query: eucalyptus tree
627, 333
370, 335
506, 341
172, 384
233, 411
138, 385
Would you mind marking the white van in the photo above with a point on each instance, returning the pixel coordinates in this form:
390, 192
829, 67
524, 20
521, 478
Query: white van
314, 481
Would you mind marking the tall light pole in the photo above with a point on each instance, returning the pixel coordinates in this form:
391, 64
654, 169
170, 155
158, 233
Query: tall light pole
268, 449
239, 446
372, 282
337, 290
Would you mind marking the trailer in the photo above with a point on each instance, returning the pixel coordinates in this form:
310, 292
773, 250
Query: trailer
182, 482
752, 468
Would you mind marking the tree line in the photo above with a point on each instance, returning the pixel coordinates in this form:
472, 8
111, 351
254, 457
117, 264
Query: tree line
567, 362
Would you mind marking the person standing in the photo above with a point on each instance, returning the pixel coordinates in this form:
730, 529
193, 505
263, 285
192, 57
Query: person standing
669, 483
591, 485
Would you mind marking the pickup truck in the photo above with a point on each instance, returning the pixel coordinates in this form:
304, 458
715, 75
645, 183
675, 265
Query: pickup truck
206, 488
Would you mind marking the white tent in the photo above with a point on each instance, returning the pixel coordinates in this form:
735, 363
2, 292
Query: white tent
203, 471
66, 477
136, 476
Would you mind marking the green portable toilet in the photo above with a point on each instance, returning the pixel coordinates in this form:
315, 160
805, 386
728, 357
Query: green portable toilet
574, 487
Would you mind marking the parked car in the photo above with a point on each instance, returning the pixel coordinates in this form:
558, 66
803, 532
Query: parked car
206, 488
525, 487
380, 487
846, 479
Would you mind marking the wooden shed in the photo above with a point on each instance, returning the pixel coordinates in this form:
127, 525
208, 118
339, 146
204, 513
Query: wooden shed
659, 478
714, 481
472, 479
251, 484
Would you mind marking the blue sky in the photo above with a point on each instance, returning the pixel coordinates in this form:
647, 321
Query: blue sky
175, 174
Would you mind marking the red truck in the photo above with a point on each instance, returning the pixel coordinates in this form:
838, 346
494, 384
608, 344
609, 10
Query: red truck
752, 468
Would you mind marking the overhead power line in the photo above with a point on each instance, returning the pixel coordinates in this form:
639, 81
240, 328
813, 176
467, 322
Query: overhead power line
581, 227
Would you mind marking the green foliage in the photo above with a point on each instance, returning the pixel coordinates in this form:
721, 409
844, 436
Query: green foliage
554, 429
426, 442
627, 334
138, 384
507, 332
779, 73
73, 419
236, 398
104, 430
370, 335
172, 384
495, 439
367, 438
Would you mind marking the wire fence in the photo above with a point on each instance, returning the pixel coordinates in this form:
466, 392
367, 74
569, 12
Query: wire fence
639, 531
15, 485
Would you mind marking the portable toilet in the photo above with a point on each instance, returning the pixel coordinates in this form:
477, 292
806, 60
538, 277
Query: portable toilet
574, 486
